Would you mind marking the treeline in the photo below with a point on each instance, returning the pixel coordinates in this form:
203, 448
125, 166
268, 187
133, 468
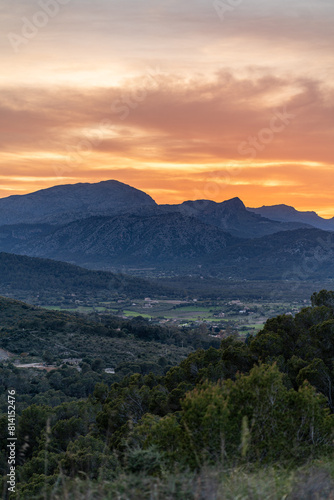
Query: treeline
265, 402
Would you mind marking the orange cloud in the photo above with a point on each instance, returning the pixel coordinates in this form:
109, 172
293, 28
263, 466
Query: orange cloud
266, 139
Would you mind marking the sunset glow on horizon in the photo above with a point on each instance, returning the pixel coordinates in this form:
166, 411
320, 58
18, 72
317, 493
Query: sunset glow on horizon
183, 100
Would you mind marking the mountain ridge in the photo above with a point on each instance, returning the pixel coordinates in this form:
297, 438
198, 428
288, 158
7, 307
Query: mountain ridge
286, 213
232, 216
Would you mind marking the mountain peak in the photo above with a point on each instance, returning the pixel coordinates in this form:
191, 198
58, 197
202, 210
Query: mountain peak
234, 203
72, 201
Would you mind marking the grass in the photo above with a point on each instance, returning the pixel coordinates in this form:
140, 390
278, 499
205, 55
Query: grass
256, 326
133, 314
311, 482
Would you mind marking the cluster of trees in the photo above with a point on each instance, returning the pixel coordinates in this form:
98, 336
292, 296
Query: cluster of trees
140, 328
266, 401
51, 388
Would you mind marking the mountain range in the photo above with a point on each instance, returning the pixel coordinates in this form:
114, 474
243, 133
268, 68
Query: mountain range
110, 225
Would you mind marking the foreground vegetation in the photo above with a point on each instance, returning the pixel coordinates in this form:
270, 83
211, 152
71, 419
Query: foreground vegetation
310, 482
245, 420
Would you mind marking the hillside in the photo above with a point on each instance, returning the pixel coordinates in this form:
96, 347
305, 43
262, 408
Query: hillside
151, 240
178, 243
112, 226
126, 345
47, 281
304, 254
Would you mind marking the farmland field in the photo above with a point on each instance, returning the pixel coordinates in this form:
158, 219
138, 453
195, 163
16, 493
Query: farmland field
244, 317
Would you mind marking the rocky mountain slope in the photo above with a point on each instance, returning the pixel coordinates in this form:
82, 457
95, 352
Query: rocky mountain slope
290, 255
126, 239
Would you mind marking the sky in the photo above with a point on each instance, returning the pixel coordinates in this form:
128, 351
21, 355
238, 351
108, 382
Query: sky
187, 99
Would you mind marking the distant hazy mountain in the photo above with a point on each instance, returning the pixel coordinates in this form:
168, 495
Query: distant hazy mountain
233, 217
284, 213
61, 204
